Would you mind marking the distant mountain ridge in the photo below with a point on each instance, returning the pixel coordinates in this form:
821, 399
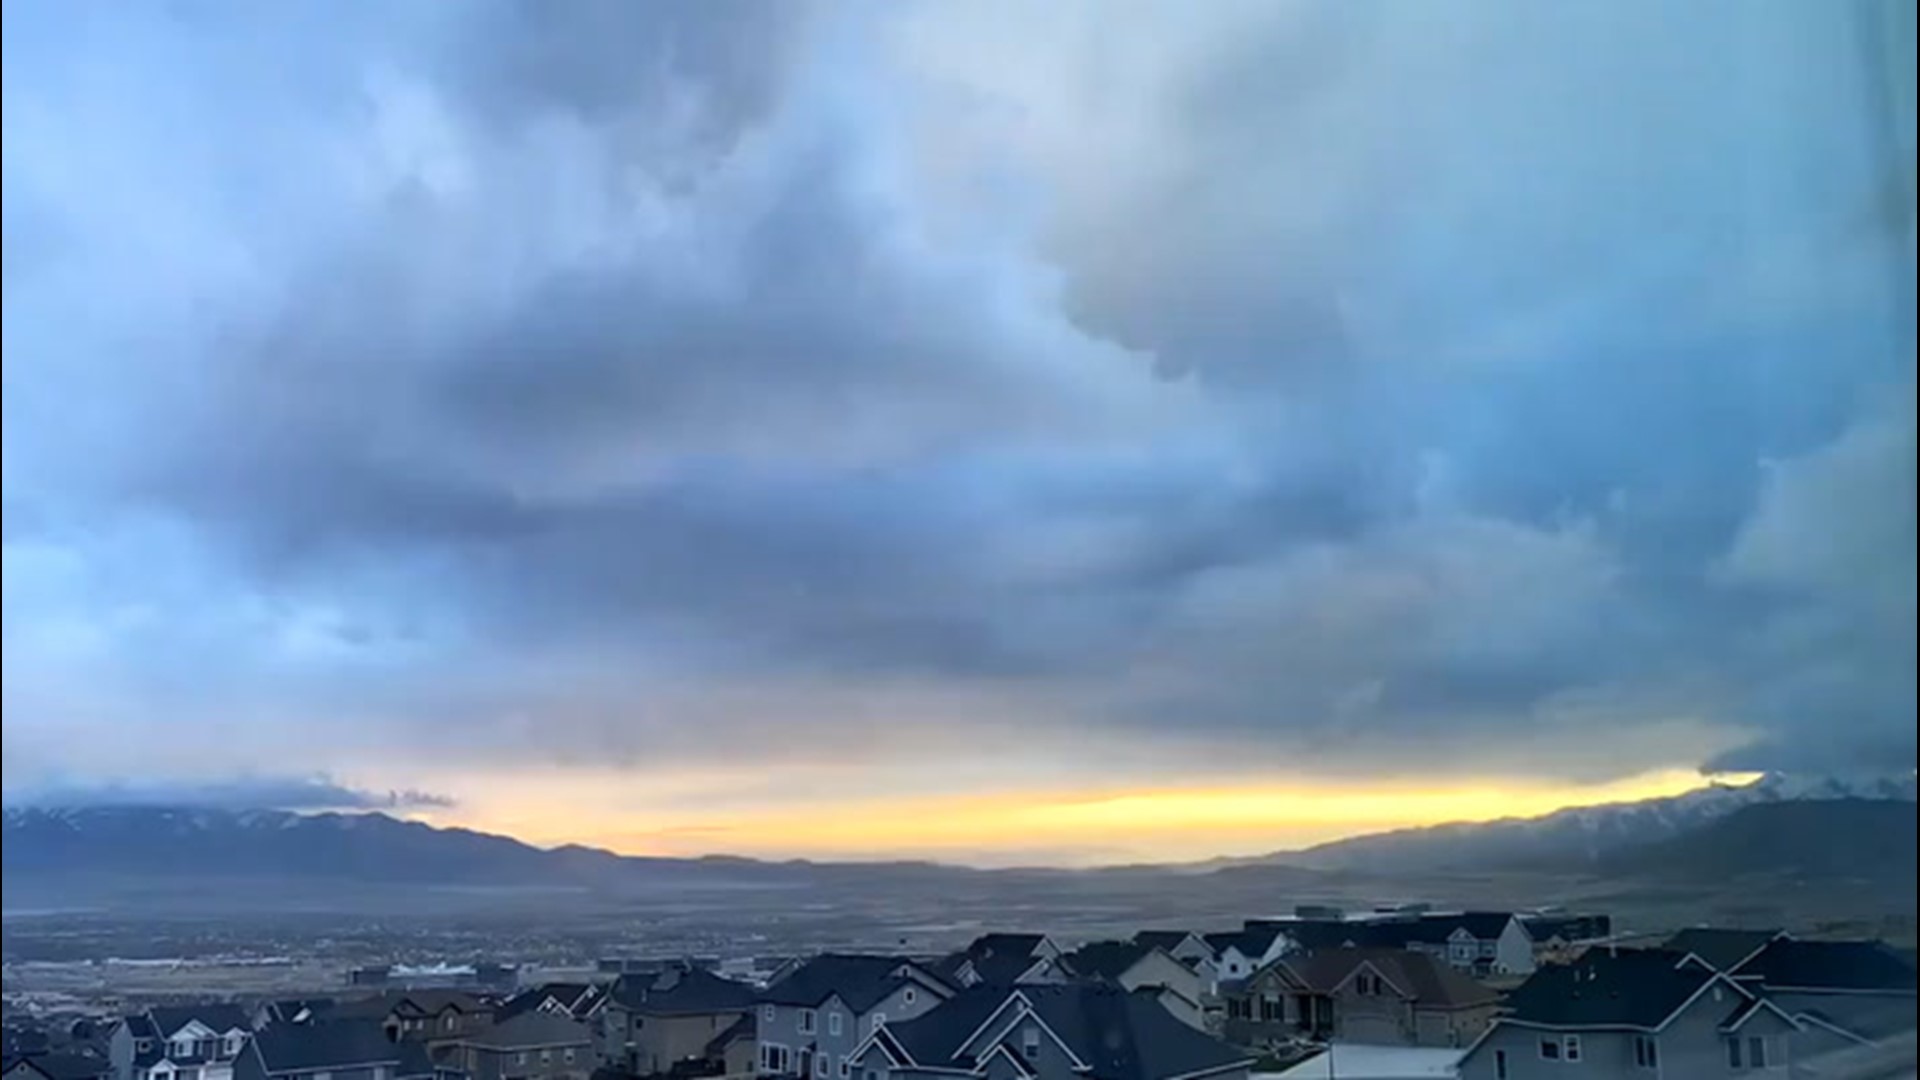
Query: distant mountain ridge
1579, 835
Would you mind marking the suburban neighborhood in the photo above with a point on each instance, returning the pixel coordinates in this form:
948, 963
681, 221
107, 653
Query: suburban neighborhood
1404, 991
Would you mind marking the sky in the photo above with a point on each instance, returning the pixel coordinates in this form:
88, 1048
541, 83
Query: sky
1001, 432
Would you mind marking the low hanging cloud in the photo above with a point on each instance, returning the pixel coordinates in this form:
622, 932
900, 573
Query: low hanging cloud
236, 793
1281, 386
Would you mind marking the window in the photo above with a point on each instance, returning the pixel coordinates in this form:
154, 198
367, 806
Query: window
448, 1021
1499, 1065
1271, 1009
766, 1013
569, 1055
546, 1057
1030, 1043
908, 996
820, 1064
1733, 1053
833, 1023
775, 1058
142, 1045
806, 1021
1646, 1052
1550, 1049
846, 1068
878, 1020
1757, 1053
1570, 1049
520, 1058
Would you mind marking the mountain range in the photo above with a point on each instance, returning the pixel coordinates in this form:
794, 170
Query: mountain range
1825, 826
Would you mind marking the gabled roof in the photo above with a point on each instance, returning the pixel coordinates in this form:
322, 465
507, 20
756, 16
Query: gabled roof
289, 1010
1000, 959
570, 996
219, 1017
408, 1002
1006, 944
1253, 941
1123, 1036
681, 993
64, 1066
531, 1030
860, 981
1106, 959
1427, 981
1721, 949
742, 1028
1788, 963
934, 1037
290, 1048
1169, 939
1628, 988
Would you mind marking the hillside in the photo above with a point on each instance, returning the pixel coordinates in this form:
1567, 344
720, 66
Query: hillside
1834, 841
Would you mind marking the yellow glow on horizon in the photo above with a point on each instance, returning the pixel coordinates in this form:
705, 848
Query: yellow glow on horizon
1174, 823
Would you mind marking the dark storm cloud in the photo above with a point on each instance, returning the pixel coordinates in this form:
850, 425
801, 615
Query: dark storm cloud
610, 379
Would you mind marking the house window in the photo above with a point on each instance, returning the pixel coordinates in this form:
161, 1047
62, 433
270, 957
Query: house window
141, 1046
806, 1021
908, 996
1550, 1049
879, 1019
1271, 1009
448, 1021
1030, 1043
1756, 1053
1571, 1048
546, 1057
766, 1013
1733, 1053
1646, 1052
775, 1058
569, 1055
1499, 1065
833, 1023
520, 1058
820, 1064
846, 1068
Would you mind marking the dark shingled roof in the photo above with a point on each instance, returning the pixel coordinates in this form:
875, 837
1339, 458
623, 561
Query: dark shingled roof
1720, 948
1253, 942
1427, 980
681, 993
1166, 939
65, 1066
288, 1048
1829, 965
533, 1029
219, 1016
1106, 959
1121, 1036
860, 981
1630, 988
424, 1002
999, 959
743, 1028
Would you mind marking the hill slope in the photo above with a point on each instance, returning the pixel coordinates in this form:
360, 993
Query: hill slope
1830, 840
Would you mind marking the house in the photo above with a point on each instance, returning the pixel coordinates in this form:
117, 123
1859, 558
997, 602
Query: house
810, 1021
1245, 951
1374, 996
1632, 1014
579, 1000
737, 1049
56, 1066
1048, 1033
290, 1011
1002, 960
1131, 965
179, 1042
434, 1017
1841, 993
1559, 937
1722, 949
536, 1045
1183, 945
340, 1050
1480, 943
651, 1023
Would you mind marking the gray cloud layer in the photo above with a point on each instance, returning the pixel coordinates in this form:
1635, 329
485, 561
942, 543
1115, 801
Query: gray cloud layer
645, 383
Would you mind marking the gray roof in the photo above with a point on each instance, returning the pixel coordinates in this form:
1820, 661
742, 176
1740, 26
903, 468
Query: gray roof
1426, 980
65, 1066
1253, 942
290, 1048
860, 981
410, 1002
742, 1028
1002, 958
531, 1030
1106, 959
1167, 939
1829, 965
681, 993
219, 1016
1720, 948
1630, 988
